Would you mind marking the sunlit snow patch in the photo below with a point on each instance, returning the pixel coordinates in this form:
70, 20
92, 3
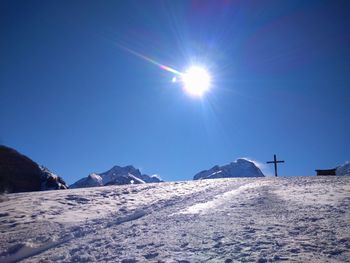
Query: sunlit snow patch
202, 208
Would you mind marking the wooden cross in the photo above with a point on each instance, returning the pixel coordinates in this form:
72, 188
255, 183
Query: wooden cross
275, 162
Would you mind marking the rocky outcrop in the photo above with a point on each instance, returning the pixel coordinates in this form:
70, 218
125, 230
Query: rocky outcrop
51, 181
18, 173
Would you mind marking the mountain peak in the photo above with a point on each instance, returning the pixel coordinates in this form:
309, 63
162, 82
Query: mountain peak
238, 168
117, 175
343, 169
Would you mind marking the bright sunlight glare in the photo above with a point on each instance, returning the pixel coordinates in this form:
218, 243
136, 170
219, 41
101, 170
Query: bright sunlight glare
196, 81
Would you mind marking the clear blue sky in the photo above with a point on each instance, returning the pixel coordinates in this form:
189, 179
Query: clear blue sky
72, 100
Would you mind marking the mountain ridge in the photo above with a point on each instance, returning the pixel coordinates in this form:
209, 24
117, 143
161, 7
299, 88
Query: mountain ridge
117, 175
239, 168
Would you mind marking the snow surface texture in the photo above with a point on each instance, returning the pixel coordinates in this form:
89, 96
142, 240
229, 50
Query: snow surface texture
116, 176
300, 219
343, 169
238, 168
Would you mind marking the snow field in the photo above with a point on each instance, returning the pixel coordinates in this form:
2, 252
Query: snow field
225, 220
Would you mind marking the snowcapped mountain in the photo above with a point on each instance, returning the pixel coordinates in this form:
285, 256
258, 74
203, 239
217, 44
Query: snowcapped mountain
343, 169
116, 176
238, 168
92, 180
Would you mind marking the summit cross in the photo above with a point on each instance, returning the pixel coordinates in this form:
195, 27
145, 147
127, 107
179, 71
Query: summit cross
275, 162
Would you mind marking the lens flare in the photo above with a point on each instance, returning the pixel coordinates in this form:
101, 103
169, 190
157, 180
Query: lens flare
164, 67
196, 80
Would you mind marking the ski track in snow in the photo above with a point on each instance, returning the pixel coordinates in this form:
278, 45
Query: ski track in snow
219, 200
224, 220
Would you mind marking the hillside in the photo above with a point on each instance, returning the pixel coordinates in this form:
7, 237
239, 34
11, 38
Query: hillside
225, 220
18, 173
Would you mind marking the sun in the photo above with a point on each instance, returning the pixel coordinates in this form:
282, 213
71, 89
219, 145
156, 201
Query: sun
196, 80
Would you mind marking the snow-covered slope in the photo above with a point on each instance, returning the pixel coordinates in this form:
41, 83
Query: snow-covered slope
299, 219
116, 176
343, 169
238, 168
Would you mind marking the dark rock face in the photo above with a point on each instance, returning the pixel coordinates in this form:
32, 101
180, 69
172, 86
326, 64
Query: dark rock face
51, 181
18, 173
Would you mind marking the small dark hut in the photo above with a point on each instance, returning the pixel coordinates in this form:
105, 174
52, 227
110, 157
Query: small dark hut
327, 172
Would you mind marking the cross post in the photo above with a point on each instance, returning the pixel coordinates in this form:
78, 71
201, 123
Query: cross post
275, 162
